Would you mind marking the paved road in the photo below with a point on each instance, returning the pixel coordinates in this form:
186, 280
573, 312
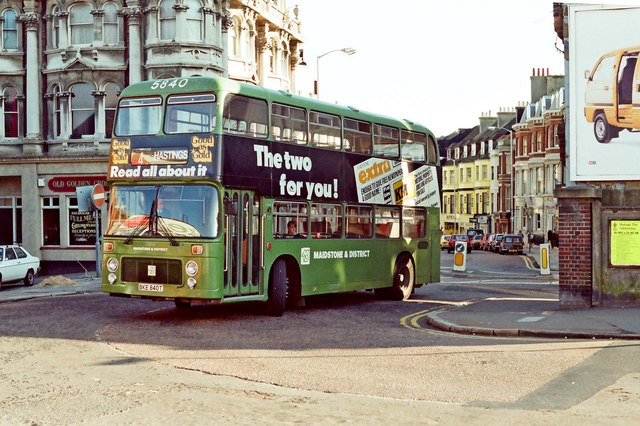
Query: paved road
332, 360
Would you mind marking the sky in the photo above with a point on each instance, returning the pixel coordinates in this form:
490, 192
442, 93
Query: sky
441, 63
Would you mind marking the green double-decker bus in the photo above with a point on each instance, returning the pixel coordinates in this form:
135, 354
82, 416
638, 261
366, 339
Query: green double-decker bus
222, 192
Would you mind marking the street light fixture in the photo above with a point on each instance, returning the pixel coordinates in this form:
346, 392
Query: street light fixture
346, 50
510, 171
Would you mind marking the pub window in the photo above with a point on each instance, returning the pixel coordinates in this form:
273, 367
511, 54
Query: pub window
50, 221
325, 130
289, 124
81, 225
357, 136
243, 115
11, 219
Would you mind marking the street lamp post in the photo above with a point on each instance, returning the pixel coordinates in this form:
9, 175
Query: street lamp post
511, 189
455, 197
346, 50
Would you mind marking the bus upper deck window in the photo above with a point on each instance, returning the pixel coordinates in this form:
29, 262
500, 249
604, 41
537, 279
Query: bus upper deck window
139, 116
194, 113
413, 146
243, 115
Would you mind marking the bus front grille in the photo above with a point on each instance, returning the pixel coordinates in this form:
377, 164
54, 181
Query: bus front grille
154, 271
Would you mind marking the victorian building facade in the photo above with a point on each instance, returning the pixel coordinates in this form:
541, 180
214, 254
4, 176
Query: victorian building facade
62, 66
521, 149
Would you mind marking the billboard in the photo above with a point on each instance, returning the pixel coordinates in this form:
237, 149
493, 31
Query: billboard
604, 92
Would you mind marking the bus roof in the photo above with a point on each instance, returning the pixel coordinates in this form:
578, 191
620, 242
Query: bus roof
220, 84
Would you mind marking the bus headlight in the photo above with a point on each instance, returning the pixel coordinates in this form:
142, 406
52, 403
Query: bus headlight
191, 268
112, 264
191, 282
112, 278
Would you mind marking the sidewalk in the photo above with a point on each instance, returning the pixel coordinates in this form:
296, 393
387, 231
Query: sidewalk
48, 286
523, 317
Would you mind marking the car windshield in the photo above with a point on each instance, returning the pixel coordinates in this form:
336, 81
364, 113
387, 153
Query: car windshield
166, 210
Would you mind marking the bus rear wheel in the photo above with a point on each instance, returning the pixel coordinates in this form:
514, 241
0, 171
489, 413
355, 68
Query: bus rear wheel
403, 281
277, 289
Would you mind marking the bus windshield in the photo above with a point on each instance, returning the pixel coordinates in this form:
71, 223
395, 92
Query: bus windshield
163, 211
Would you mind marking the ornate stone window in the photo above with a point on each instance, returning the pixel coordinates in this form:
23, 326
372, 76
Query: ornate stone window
110, 101
194, 20
11, 112
9, 24
110, 28
55, 27
167, 20
81, 24
82, 110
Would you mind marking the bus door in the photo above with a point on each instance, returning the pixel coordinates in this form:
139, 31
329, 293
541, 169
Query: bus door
243, 240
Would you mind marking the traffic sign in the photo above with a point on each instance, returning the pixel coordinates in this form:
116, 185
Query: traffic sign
98, 195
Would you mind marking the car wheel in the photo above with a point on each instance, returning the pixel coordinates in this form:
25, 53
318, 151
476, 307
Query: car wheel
29, 279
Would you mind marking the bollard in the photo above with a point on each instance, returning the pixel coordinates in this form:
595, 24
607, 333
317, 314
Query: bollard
460, 256
544, 260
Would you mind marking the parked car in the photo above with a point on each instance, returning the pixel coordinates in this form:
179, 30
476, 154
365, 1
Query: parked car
476, 241
471, 232
485, 241
511, 244
444, 241
458, 237
495, 243
16, 264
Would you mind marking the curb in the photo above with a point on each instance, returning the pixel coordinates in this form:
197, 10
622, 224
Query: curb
436, 322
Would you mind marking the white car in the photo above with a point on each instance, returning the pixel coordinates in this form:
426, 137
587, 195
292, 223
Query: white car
16, 264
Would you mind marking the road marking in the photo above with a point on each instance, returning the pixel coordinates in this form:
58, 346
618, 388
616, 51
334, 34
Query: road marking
530, 319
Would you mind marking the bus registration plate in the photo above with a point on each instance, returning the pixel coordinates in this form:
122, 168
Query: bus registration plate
150, 287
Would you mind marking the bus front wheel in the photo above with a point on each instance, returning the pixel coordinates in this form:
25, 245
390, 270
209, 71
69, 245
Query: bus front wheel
277, 289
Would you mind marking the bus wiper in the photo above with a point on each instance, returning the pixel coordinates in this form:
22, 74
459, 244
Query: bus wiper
165, 230
143, 224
